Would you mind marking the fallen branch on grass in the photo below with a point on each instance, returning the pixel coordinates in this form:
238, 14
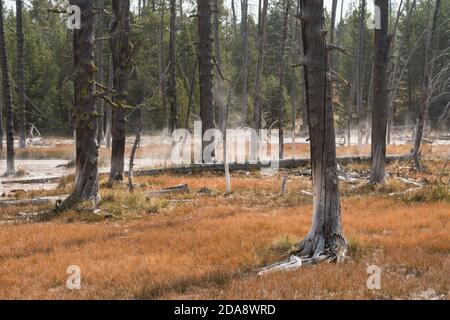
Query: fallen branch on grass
31, 202
182, 188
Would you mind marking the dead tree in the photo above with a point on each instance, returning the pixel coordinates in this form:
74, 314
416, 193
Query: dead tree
100, 76
121, 58
172, 92
219, 83
245, 53
161, 66
427, 88
281, 81
205, 66
20, 88
85, 116
108, 120
257, 97
325, 237
7, 100
380, 103
359, 67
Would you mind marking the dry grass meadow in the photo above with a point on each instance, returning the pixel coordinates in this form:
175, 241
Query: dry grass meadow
203, 244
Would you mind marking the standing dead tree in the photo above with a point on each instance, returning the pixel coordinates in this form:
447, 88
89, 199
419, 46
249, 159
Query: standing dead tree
380, 103
427, 88
325, 238
121, 58
172, 92
100, 75
86, 174
245, 57
205, 66
7, 100
20, 88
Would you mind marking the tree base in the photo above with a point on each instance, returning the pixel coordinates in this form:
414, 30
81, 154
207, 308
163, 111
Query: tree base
315, 248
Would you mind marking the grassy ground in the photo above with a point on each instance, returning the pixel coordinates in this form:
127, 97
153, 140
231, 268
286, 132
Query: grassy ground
204, 245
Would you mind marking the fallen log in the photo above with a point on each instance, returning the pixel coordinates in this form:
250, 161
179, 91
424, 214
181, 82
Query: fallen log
182, 188
282, 164
31, 181
31, 202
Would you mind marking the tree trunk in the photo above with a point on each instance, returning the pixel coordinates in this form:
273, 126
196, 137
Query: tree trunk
161, 67
233, 10
219, 87
244, 35
173, 69
1, 122
86, 174
108, 121
20, 76
281, 82
7, 100
121, 54
257, 98
325, 236
205, 66
359, 67
380, 107
100, 102
426, 87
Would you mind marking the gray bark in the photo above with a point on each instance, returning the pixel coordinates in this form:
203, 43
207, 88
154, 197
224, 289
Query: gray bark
172, 92
325, 236
20, 75
245, 53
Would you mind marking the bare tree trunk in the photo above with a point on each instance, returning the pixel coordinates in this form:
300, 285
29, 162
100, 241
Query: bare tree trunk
325, 236
161, 66
233, 10
1, 123
380, 107
100, 102
281, 82
244, 35
20, 76
108, 121
191, 94
205, 66
369, 106
218, 95
121, 53
86, 174
173, 69
257, 98
7, 100
426, 87
359, 67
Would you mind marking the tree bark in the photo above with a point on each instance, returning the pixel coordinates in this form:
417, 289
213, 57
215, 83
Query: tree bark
245, 53
219, 85
121, 57
7, 100
173, 69
380, 107
281, 82
100, 102
359, 67
257, 98
325, 236
205, 66
161, 67
108, 121
426, 87
86, 174
20, 76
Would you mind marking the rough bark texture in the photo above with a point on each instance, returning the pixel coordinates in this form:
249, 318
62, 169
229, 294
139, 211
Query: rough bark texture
426, 88
172, 92
7, 100
245, 53
325, 236
121, 54
205, 65
20, 87
108, 120
100, 102
380, 107
85, 116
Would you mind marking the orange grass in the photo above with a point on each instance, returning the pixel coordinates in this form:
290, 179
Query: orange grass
209, 246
